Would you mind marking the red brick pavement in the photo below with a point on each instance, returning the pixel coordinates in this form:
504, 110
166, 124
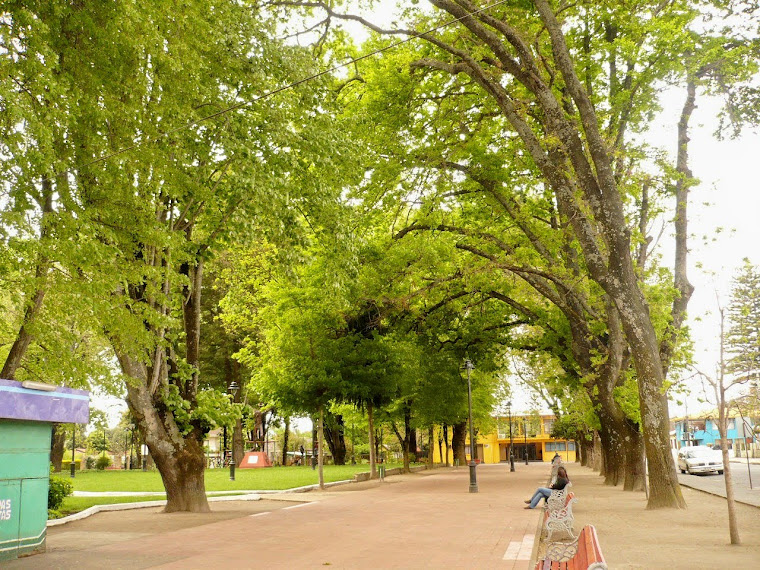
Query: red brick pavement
424, 520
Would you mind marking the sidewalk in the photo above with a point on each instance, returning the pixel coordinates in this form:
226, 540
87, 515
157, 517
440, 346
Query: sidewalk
744, 460
424, 520
633, 537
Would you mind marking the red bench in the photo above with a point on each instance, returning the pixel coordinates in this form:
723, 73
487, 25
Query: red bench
581, 554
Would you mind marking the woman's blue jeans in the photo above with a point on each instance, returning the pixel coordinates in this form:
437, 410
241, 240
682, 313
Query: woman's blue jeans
541, 493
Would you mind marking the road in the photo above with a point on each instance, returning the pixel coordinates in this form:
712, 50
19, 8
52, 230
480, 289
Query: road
715, 484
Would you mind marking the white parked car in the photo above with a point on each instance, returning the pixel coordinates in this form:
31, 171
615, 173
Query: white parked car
700, 459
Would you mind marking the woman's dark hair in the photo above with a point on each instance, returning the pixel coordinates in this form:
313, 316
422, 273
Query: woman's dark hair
562, 472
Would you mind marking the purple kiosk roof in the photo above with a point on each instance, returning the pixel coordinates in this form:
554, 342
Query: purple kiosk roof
60, 405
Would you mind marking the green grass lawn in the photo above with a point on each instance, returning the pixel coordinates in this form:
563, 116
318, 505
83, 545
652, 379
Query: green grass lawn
75, 504
266, 478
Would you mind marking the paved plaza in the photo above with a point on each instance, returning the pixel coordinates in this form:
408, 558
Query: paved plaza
423, 520
426, 520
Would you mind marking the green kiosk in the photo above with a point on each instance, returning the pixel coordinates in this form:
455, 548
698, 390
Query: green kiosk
27, 412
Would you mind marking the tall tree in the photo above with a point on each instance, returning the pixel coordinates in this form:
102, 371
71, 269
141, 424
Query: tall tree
743, 334
152, 155
567, 120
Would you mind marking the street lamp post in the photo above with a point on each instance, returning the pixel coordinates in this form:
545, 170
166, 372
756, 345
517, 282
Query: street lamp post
473, 475
73, 449
353, 446
126, 443
525, 432
511, 454
233, 388
381, 467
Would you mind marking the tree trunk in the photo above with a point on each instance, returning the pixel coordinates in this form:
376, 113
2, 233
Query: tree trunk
179, 458
285, 438
720, 392
586, 447
57, 445
372, 457
597, 456
335, 429
321, 448
665, 491
613, 269
440, 448
238, 442
408, 434
431, 446
314, 437
458, 442
413, 444
182, 473
633, 443
403, 441
446, 443
34, 303
684, 182
733, 526
613, 452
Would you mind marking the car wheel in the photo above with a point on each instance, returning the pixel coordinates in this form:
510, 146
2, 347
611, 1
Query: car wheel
689, 471
683, 471
720, 472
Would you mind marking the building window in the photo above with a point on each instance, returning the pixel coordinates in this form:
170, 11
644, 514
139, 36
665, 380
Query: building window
548, 425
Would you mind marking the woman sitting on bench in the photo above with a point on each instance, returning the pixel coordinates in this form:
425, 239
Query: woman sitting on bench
545, 492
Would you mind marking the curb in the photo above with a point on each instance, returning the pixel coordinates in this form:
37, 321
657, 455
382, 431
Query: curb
227, 496
138, 505
245, 496
537, 541
306, 488
152, 493
718, 495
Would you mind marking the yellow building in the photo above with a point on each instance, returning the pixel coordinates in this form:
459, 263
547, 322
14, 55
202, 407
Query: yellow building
529, 433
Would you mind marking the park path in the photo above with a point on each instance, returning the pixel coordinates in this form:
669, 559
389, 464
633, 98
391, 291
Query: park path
421, 520
425, 520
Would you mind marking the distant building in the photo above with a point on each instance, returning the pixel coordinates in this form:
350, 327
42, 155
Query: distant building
494, 447
702, 429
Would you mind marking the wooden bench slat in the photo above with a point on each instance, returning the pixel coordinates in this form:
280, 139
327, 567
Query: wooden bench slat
588, 552
597, 549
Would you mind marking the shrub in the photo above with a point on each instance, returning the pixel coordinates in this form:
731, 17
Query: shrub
102, 462
66, 465
58, 490
89, 463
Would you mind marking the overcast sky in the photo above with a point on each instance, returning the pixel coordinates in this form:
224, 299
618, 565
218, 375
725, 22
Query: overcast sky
727, 197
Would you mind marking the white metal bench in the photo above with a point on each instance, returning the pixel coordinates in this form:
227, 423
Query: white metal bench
559, 512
